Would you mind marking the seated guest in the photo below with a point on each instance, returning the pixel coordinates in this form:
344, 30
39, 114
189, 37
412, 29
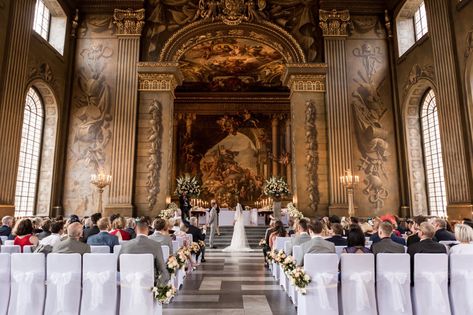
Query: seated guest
414, 237
45, 229
279, 231
72, 243
141, 244
23, 232
56, 233
161, 234
94, 229
375, 238
103, 238
197, 234
182, 231
386, 244
7, 224
441, 233
36, 225
302, 235
355, 241
337, 238
463, 234
366, 228
317, 243
118, 225
130, 227
291, 227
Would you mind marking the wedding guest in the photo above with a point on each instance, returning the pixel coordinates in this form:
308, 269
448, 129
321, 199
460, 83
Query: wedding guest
197, 235
302, 235
56, 232
463, 234
414, 237
45, 229
386, 244
375, 238
355, 241
336, 238
7, 224
118, 226
335, 219
366, 228
317, 244
182, 231
94, 229
130, 227
36, 225
141, 244
72, 243
279, 231
103, 238
441, 232
291, 227
23, 232
161, 233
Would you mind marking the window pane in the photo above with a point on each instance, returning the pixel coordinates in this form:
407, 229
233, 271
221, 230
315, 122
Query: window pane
433, 156
41, 19
420, 22
27, 178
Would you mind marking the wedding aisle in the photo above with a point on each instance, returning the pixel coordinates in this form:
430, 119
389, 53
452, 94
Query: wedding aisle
231, 283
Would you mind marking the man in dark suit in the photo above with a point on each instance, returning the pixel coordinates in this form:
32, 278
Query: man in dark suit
143, 245
375, 238
302, 235
94, 229
7, 225
185, 205
337, 237
103, 238
197, 234
386, 244
441, 233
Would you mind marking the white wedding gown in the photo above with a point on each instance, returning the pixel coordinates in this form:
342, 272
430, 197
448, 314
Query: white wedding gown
239, 241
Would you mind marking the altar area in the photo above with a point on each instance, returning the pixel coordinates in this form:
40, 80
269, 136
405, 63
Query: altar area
253, 217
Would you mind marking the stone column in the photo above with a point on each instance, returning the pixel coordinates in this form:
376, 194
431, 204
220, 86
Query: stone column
157, 82
457, 172
334, 26
309, 139
129, 25
175, 129
274, 133
12, 102
287, 143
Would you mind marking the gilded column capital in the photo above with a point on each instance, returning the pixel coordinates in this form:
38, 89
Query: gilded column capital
334, 23
305, 77
158, 76
129, 22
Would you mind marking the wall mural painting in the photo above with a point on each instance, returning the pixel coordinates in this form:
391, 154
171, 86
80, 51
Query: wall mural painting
229, 153
299, 17
371, 134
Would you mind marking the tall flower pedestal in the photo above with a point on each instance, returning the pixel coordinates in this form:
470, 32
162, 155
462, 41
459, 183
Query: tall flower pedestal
277, 209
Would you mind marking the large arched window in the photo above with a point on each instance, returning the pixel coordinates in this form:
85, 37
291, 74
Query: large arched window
30, 150
434, 173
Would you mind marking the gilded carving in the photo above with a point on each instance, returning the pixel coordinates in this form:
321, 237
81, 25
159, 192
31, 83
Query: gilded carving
156, 82
129, 22
307, 83
231, 12
312, 155
371, 135
334, 23
155, 155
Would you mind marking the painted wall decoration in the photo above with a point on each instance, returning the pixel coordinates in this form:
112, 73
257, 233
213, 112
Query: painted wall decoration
312, 155
155, 154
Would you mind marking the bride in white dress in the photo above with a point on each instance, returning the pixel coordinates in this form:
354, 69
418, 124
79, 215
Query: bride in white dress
239, 241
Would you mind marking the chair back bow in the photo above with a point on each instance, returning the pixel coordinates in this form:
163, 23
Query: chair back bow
323, 281
24, 280
134, 282
97, 280
60, 280
437, 300
467, 277
396, 282
361, 292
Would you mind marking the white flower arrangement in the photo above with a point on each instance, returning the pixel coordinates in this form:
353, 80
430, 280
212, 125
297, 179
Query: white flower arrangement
172, 265
275, 187
299, 279
293, 212
164, 294
170, 212
188, 185
289, 264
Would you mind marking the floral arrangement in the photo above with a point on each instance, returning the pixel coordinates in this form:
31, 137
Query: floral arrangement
289, 264
262, 243
188, 185
293, 212
164, 294
169, 212
247, 208
299, 279
195, 248
275, 187
270, 256
172, 265
201, 244
182, 257
280, 256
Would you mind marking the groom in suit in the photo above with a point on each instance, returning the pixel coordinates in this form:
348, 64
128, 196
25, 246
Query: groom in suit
213, 222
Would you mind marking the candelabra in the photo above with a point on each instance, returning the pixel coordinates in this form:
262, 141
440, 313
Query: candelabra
100, 181
349, 181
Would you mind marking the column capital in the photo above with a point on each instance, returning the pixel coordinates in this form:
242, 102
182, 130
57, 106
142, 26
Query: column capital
159, 76
305, 77
129, 22
334, 23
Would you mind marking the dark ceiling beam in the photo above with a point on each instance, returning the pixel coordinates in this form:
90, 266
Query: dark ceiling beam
107, 6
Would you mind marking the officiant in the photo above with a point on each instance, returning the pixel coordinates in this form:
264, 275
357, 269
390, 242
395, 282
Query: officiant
185, 205
213, 221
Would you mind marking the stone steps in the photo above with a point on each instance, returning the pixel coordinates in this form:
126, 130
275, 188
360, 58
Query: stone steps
253, 234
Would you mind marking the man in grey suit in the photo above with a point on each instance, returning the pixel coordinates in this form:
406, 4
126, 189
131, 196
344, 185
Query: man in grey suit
302, 235
143, 245
317, 244
213, 222
103, 238
161, 234
386, 244
72, 243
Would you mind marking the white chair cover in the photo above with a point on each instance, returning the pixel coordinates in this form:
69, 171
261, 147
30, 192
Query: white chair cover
122, 241
180, 240
431, 284
137, 280
393, 289
358, 293
99, 285
4, 282
116, 249
461, 284
322, 292
339, 250
165, 250
278, 245
10, 249
102, 249
27, 284
4, 239
9, 242
190, 238
27, 249
63, 284
298, 255
175, 247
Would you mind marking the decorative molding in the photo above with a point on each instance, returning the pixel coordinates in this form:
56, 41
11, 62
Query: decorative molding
469, 44
417, 73
43, 72
231, 12
334, 23
312, 155
157, 82
155, 155
129, 21
75, 24
307, 83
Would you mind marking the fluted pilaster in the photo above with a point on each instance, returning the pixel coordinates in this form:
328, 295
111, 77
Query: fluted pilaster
13, 98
